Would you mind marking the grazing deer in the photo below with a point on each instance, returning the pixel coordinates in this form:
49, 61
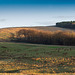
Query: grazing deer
64, 49
65, 53
58, 50
70, 49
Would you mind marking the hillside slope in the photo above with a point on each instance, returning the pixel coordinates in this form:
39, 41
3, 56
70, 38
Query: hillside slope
52, 28
5, 33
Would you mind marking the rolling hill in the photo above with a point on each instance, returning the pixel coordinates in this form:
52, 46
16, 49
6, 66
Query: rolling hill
5, 33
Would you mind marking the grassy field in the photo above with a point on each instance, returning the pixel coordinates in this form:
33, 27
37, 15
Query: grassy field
33, 58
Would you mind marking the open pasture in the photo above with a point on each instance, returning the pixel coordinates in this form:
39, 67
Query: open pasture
33, 58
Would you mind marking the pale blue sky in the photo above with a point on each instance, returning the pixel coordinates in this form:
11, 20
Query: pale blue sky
16, 13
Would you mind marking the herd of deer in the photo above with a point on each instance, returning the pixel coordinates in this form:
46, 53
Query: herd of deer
59, 50
64, 49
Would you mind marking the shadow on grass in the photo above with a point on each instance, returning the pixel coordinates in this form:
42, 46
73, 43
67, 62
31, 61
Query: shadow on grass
12, 71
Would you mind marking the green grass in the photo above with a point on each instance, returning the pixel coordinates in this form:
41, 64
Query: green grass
34, 58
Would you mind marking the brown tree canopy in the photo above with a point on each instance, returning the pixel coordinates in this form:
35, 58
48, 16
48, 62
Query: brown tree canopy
45, 37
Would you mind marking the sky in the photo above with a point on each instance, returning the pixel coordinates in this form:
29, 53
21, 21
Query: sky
19, 13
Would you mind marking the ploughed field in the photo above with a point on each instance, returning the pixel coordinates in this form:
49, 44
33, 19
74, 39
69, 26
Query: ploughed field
33, 58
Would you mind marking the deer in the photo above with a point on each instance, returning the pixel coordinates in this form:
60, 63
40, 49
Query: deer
65, 53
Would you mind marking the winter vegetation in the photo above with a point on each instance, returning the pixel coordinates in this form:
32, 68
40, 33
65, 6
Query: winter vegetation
44, 37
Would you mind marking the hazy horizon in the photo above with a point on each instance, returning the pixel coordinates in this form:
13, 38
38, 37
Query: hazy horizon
19, 13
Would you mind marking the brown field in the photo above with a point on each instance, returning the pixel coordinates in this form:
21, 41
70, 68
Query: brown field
51, 28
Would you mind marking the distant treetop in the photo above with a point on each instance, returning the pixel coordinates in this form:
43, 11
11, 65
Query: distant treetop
66, 24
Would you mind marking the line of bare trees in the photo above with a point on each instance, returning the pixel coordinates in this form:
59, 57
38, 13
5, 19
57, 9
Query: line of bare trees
44, 37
